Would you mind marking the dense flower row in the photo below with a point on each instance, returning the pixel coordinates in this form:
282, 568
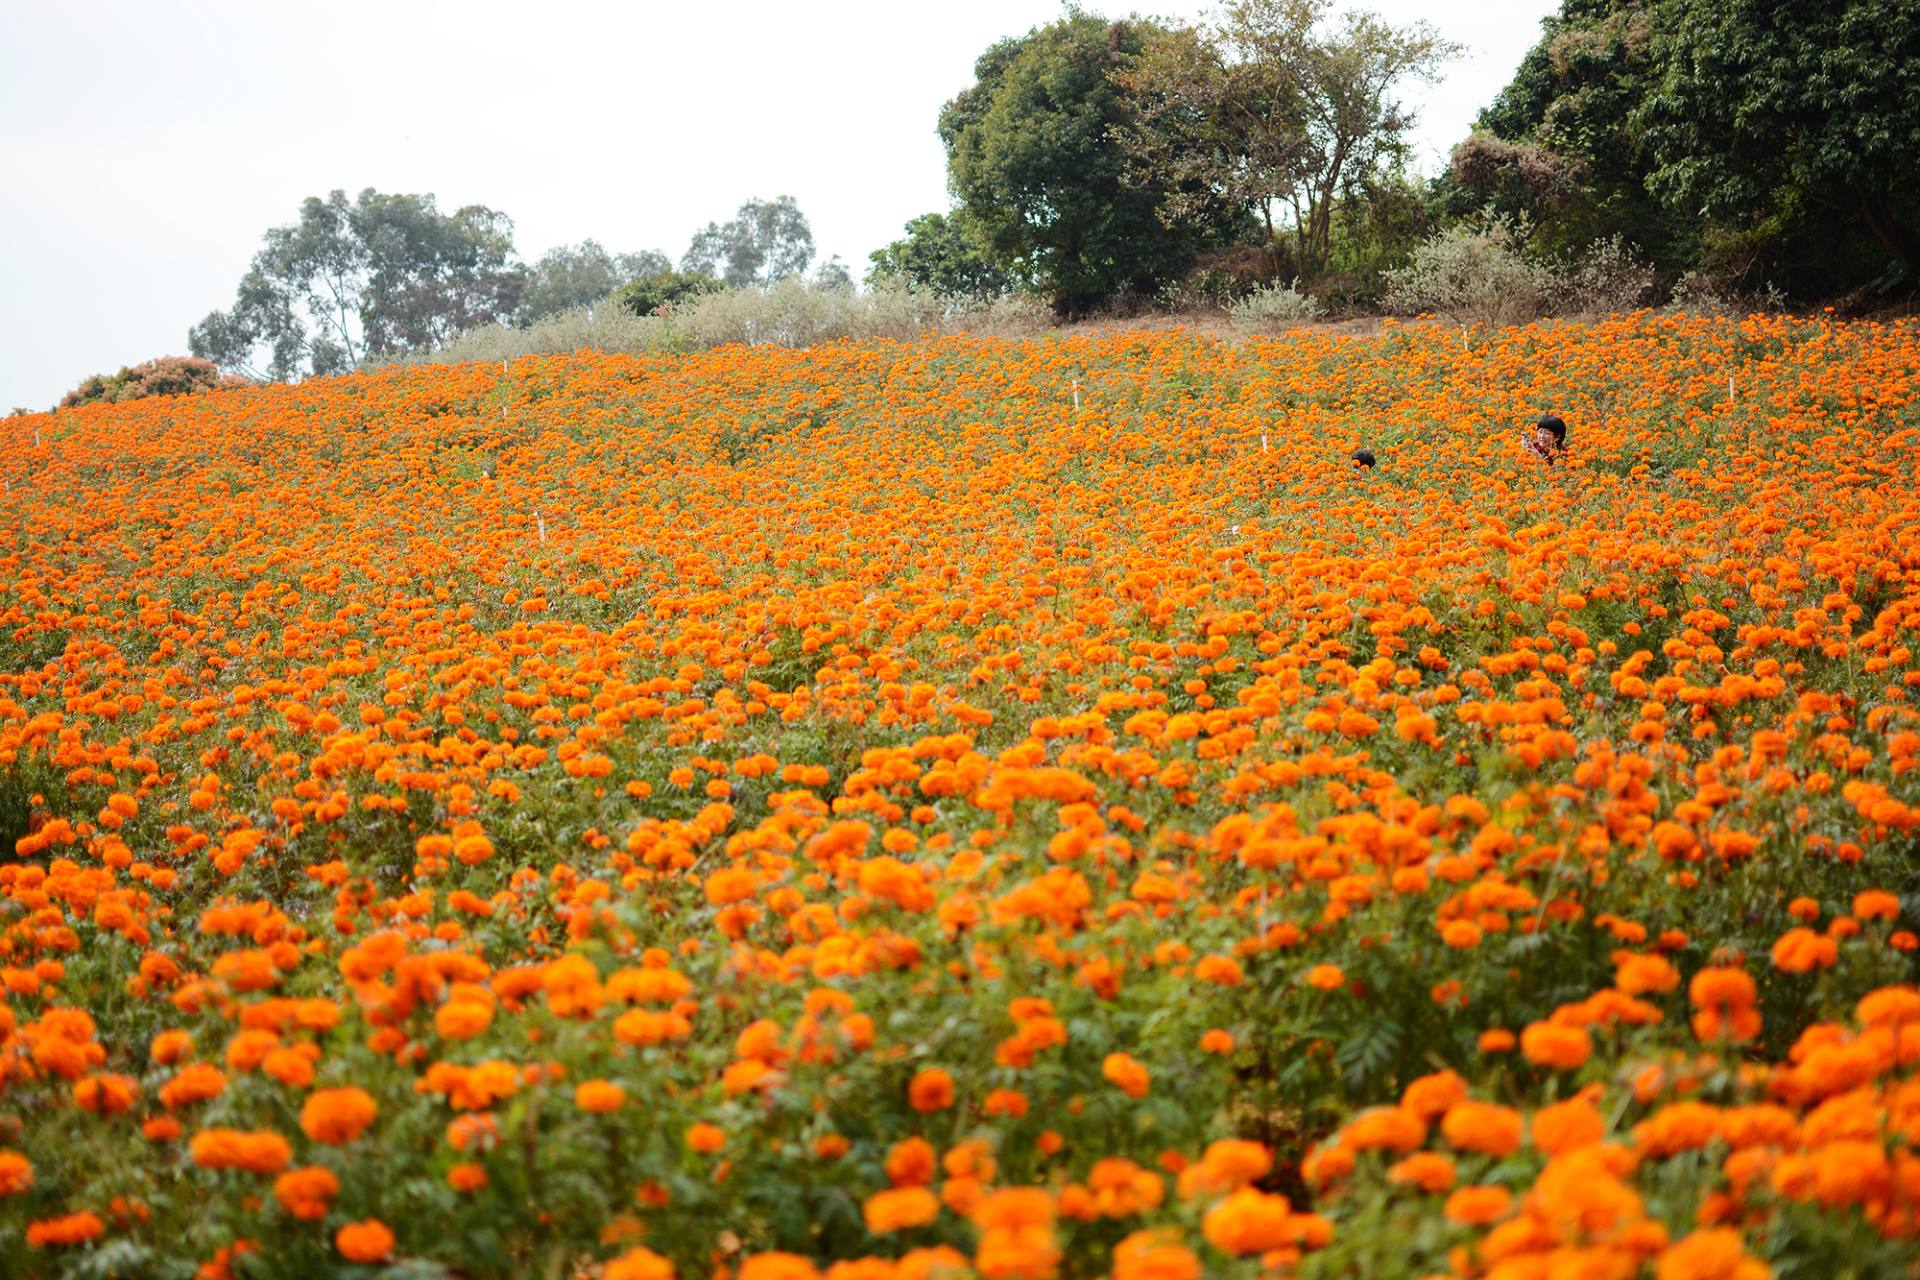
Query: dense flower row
974, 809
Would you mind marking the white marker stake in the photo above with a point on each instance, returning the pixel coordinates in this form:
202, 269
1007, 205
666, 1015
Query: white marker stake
1263, 439
543, 523
1076, 395
1729, 386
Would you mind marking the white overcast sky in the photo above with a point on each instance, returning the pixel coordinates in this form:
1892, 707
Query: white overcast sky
144, 147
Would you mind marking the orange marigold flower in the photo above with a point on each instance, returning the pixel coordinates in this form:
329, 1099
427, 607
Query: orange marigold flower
337, 1116
638, 1263
930, 1090
1327, 977
462, 1019
1149, 1255
1428, 1170
599, 1096
74, 1228
1876, 904
1546, 1044
706, 1138
1802, 950
778, 1266
1482, 1126
1723, 1000
1717, 1253
1564, 1126
1384, 1129
1014, 1207
1248, 1221
16, 1173
1217, 1041
1126, 1074
306, 1193
1639, 975
467, 1176
107, 1095
169, 1047
1478, 1206
900, 1208
195, 1082
1429, 1096
263, 1151
364, 1241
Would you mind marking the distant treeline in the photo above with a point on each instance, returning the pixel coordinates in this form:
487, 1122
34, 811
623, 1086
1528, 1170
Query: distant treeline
1646, 149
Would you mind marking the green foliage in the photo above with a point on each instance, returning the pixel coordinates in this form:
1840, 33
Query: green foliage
379, 276
1376, 228
664, 289
1559, 144
1804, 108
765, 242
1033, 160
1747, 142
166, 376
579, 275
1276, 106
940, 256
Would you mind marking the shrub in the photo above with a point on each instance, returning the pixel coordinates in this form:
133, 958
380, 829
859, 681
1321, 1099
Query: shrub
605, 326
166, 376
797, 314
1474, 274
793, 313
1273, 309
1610, 278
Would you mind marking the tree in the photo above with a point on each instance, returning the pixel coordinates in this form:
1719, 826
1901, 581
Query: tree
1559, 147
938, 256
767, 240
1275, 108
664, 290
1035, 165
579, 275
378, 276
1793, 108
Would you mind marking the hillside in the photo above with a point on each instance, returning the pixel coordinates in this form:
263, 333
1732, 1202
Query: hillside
974, 807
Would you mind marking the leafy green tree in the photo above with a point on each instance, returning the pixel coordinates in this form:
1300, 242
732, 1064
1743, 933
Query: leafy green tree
1559, 146
1276, 107
1758, 106
765, 241
377, 276
579, 275
1034, 161
664, 289
937, 256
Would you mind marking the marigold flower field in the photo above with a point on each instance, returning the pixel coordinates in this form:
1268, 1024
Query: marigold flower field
974, 809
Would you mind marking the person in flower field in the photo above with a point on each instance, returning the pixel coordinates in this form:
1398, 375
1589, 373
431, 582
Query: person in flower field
1548, 437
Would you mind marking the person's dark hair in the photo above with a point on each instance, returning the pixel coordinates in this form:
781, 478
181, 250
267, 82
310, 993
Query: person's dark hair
1362, 457
1551, 423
